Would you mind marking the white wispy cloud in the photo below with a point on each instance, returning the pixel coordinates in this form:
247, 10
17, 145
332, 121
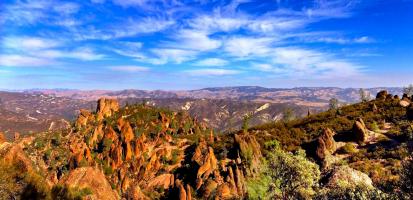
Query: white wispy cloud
29, 43
303, 63
171, 55
214, 62
43, 51
129, 68
194, 40
248, 46
14, 60
212, 72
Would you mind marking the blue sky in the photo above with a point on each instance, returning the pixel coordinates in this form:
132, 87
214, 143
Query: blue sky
172, 45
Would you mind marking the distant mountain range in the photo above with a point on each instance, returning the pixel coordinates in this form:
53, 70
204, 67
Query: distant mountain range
308, 96
221, 108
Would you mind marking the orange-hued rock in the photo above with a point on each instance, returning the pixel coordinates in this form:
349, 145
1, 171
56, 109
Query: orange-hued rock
210, 164
125, 184
94, 179
137, 194
13, 154
16, 136
2, 138
188, 192
116, 155
224, 192
84, 117
165, 181
128, 152
106, 108
126, 130
97, 134
182, 192
326, 144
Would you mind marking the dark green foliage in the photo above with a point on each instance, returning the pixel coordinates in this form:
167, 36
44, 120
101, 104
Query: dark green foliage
68, 193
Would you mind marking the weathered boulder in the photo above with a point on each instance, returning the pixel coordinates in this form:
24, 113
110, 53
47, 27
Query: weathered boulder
326, 145
382, 95
360, 132
344, 176
95, 180
106, 107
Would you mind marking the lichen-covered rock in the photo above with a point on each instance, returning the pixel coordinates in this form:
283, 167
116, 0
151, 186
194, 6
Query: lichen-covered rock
360, 132
95, 180
344, 176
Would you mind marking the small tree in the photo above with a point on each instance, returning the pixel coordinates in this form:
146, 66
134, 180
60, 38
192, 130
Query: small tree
408, 90
288, 114
292, 175
364, 95
333, 103
245, 122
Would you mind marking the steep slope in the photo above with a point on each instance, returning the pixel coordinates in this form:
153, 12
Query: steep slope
373, 137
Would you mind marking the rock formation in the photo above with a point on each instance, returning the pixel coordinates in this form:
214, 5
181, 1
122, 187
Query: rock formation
360, 132
382, 95
2, 138
250, 151
326, 144
344, 176
84, 117
106, 107
95, 180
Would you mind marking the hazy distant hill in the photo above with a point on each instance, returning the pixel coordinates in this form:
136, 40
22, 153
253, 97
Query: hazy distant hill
309, 96
222, 108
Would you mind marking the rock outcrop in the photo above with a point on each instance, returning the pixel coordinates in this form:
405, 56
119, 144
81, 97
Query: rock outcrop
360, 132
2, 138
106, 107
326, 145
95, 180
382, 95
84, 117
250, 151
